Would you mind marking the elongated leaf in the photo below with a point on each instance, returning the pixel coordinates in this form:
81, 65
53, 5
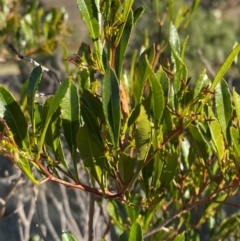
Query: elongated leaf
216, 134
157, 97
235, 139
201, 83
223, 105
60, 93
126, 167
221, 72
197, 142
135, 232
184, 47
91, 122
236, 100
54, 130
158, 163
169, 169
171, 9
121, 49
89, 13
70, 108
111, 104
134, 115
141, 74
34, 81
127, 9
113, 211
11, 112
164, 81
23, 164
137, 14
92, 154
174, 41
181, 70
142, 135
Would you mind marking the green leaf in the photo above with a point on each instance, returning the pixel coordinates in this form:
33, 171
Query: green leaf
174, 41
235, 139
141, 74
90, 121
134, 115
180, 237
92, 154
89, 13
34, 81
170, 9
197, 141
223, 104
23, 164
121, 48
127, 9
157, 97
66, 236
57, 98
221, 72
169, 170
126, 167
142, 135
202, 82
111, 104
180, 68
53, 133
236, 100
137, 14
135, 232
184, 47
11, 112
70, 115
216, 134
113, 210
164, 81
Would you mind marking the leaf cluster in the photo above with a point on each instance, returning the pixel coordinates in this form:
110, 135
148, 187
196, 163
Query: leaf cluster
144, 136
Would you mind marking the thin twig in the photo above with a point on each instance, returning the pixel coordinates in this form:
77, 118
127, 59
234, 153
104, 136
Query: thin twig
72, 224
38, 214
58, 205
32, 61
208, 66
91, 215
46, 218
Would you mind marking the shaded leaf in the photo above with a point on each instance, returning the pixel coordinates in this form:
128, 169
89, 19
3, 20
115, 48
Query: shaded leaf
157, 97
70, 114
126, 167
111, 104
56, 100
141, 74
34, 81
11, 112
92, 154
122, 46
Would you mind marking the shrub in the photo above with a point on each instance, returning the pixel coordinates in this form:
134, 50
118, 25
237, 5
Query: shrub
155, 147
